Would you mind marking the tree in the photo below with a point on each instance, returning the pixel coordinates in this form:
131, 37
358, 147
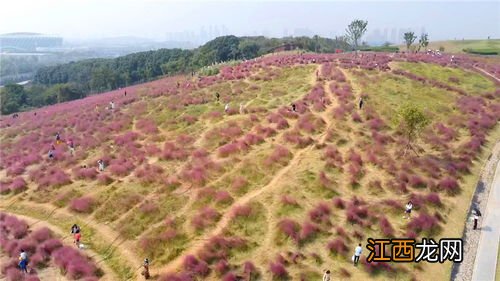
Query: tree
12, 98
409, 39
423, 42
355, 30
249, 50
411, 121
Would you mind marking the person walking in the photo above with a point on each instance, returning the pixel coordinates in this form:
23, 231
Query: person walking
101, 165
242, 109
408, 208
475, 218
361, 102
75, 229
145, 269
357, 254
23, 261
294, 107
217, 96
326, 275
226, 108
51, 154
71, 146
58, 138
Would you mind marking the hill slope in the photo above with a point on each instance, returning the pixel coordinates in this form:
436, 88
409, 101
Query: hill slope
259, 190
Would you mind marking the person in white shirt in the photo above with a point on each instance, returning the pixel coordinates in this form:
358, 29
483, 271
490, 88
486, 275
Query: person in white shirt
226, 108
409, 206
357, 253
475, 217
326, 276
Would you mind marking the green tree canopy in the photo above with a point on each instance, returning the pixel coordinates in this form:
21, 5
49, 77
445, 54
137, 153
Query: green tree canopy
355, 30
409, 39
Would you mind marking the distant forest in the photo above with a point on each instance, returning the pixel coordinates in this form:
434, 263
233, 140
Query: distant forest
60, 83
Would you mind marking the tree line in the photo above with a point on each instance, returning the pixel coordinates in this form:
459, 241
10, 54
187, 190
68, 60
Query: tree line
74, 80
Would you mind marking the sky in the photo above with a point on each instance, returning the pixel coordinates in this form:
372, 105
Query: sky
202, 20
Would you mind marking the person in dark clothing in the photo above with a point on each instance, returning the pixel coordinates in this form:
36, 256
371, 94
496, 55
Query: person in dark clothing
125, 94
294, 107
217, 96
361, 103
145, 270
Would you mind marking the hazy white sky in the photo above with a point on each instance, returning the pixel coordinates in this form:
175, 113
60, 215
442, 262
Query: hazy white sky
157, 19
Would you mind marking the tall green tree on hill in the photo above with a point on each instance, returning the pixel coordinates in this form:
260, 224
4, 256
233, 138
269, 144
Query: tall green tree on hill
355, 30
409, 39
411, 121
423, 42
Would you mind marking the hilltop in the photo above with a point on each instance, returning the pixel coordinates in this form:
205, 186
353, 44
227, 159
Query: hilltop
260, 190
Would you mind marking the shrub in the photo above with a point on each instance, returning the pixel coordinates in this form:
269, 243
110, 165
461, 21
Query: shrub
290, 228
416, 181
82, 204
324, 180
337, 246
279, 155
221, 267
238, 183
104, 179
449, 185
18, 185
195, 266
433, 198
423, 223
223, 197
205, 217
249, 267
288, 200
321, 213
228, 149
386, 227
308, 232
338, 203
242, 211
41, 234
278, 270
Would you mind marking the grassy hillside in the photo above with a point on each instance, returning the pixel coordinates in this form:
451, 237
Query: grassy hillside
458, 46
259, 190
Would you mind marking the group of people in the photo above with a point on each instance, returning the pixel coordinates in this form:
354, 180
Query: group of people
58, 140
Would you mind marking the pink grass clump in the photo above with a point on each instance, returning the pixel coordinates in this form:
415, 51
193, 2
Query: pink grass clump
386, 227
337, 246
228, 149
205, 217
279, 155
423, 223
449, 185
18, 185
291, 229
278, 270
241, 211
289, 200
320, 213
239, 183
195, 266
82, 204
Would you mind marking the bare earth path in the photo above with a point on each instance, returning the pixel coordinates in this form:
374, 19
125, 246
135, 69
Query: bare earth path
486, 257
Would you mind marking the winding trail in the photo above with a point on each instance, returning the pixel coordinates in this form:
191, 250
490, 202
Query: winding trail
487, 73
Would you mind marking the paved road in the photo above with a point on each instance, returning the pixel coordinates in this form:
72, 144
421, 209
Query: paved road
487, 251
